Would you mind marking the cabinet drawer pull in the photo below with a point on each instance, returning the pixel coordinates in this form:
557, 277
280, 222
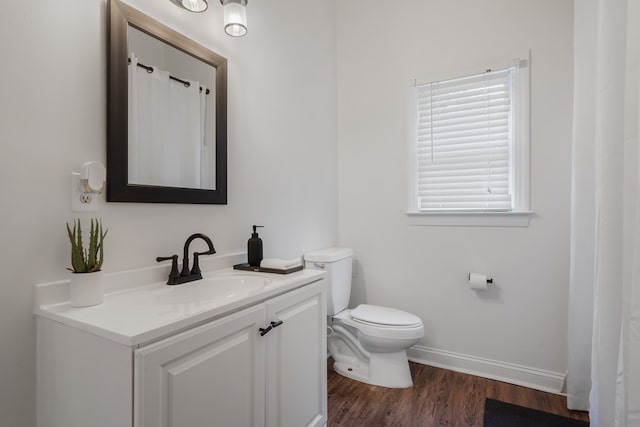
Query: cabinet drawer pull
264, 331
276, 323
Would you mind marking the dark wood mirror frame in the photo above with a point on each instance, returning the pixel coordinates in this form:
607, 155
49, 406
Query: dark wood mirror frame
118, 187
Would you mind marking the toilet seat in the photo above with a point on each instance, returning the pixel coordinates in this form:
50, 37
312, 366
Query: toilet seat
376, 315
415, 330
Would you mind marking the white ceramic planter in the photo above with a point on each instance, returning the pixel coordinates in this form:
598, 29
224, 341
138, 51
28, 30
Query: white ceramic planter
86, 289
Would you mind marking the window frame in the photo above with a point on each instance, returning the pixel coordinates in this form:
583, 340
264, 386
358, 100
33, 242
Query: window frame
520, 215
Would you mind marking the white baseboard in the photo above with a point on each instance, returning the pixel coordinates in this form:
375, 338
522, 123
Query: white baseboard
537, 379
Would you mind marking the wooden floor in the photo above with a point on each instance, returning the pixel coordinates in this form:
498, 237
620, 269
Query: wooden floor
439, 397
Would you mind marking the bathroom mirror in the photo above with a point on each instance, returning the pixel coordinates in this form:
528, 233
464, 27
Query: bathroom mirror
166, 114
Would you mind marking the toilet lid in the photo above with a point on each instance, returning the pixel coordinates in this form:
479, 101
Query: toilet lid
384, 316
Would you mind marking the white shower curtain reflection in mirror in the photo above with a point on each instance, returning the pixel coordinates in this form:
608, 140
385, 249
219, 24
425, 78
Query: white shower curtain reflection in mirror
166, 130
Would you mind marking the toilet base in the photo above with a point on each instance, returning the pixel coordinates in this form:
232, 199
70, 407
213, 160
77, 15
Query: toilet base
384, 369
355, 371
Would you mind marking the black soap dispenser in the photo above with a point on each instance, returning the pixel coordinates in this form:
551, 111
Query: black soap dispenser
254, 248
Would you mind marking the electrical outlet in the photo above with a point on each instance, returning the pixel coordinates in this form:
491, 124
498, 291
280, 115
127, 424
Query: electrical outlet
81, 201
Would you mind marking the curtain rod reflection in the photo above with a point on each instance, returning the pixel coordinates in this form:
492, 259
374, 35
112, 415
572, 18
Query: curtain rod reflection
150, 70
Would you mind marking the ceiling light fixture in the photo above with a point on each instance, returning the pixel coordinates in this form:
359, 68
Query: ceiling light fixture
234, 11
235, 17
196, 6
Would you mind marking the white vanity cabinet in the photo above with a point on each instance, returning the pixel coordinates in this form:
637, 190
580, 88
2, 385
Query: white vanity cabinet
296, 369
211, 375
222, 372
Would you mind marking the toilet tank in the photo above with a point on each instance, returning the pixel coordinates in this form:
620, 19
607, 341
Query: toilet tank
337, 263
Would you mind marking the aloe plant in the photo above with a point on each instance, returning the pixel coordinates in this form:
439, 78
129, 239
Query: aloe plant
86, 260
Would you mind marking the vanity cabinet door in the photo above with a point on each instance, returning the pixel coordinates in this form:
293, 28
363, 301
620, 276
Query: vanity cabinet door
297, 358
212, 375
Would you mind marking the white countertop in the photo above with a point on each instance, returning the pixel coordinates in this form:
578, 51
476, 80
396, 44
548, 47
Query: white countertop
138, 315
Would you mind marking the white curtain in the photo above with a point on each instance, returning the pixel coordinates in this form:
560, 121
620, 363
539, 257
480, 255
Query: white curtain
166, 129
604, 310
582, 210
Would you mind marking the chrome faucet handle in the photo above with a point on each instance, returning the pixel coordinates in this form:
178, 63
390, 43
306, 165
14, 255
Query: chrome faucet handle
174, 274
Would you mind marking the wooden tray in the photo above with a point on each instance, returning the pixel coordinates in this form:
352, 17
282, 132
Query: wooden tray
246, 267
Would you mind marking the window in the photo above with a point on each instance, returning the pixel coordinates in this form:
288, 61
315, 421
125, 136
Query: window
470, 145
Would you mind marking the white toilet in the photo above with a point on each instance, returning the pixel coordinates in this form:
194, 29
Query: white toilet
367, 343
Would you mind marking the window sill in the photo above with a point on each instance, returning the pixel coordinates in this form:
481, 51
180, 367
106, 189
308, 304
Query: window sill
470, 219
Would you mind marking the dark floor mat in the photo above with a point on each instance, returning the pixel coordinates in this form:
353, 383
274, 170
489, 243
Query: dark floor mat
502, 414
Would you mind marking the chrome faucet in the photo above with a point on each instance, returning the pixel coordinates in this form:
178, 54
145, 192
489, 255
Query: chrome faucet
187, 275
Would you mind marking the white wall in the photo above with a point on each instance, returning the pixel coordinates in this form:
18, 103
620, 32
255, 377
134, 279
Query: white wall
382, 47
282, 151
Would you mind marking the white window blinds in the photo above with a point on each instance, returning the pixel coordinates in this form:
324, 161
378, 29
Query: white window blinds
465, 131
